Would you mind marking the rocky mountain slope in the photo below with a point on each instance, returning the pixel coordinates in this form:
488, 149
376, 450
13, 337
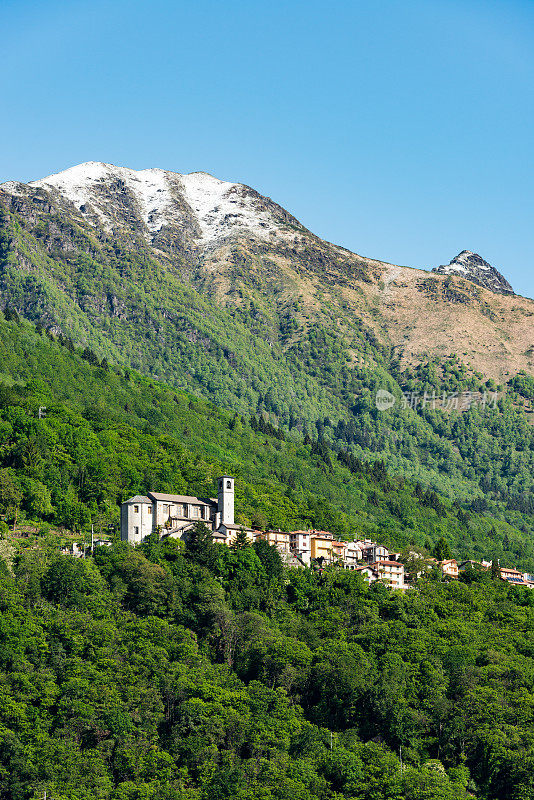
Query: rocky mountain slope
197, 207
229, 242
427, 314
472, 267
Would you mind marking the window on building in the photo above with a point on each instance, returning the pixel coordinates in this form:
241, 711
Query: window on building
195, 512
136, 509
228, 484
136, 531
150, 509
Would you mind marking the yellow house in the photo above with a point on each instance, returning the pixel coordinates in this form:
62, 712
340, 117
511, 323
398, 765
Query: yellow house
278, 539
321, 546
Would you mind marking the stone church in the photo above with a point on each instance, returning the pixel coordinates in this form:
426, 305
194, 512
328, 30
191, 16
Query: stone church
175, 514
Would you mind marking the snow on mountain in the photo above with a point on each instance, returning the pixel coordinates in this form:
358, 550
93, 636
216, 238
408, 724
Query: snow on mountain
219, 208
471, 266
78, 184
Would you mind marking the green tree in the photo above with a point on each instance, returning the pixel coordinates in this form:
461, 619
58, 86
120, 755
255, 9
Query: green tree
10, 494
199, 546
241, 540
441, 550
270, 559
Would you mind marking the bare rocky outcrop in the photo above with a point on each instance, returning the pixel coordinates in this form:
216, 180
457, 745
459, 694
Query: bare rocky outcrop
472, 267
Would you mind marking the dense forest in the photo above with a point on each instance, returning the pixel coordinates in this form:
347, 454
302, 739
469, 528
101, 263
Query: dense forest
204, 672
78, 436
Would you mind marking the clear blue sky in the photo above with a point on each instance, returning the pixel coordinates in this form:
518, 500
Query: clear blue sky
402, 129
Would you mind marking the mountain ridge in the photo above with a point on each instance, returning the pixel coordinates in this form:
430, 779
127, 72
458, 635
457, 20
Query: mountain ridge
219, 210
228, 242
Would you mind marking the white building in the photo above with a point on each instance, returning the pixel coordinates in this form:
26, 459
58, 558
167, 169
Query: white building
175, 514
225, 529
225, 500
367, 573
136, 519
391, 572
353, 554
300, 545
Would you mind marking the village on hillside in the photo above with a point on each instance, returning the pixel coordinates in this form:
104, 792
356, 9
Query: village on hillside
175, 515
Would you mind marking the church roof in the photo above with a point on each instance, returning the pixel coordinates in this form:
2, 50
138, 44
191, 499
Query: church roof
138, 498
235, 527
180, 498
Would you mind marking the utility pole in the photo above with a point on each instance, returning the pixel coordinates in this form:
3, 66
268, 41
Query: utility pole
92, 540
400, 756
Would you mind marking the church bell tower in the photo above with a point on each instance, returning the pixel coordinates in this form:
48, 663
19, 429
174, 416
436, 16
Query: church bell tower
226, 500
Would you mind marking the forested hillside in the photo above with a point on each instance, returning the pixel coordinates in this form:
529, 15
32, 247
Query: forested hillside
106, 434
207, 673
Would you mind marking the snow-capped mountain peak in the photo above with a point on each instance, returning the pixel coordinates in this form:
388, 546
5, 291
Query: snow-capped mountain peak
471, 266
211, 209
78, 184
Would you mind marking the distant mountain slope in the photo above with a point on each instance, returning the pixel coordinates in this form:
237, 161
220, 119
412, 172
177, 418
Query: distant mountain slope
435, 315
